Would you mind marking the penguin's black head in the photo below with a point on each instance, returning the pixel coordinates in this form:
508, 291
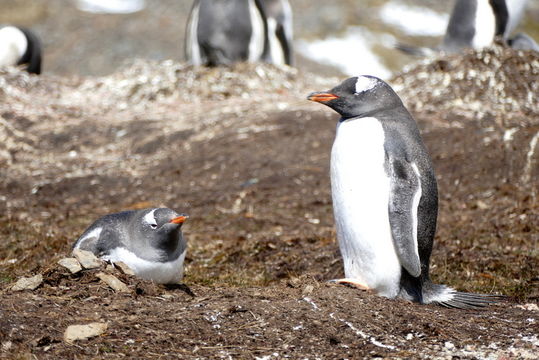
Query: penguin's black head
162, 228
359, 96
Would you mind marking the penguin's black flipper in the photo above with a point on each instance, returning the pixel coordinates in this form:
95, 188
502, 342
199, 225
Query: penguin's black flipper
413, 50
403, 203
99, 239
285, 44
33, 54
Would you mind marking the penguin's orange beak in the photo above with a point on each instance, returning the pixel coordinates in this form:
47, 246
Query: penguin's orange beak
179, 220
322, 97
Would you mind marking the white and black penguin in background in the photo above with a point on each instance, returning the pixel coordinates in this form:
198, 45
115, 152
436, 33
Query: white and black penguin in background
476, 24
149, 241
522, 41
223, 32
20, 46
385, 197
280, 31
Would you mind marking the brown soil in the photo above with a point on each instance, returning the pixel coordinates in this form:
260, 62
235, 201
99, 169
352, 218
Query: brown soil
247, 157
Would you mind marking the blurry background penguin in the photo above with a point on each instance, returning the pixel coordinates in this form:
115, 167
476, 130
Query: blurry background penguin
280, 32
20, 46
222, 32
476, 24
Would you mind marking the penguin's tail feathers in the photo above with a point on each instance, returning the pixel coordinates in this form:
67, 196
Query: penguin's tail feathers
450, 298
414, 50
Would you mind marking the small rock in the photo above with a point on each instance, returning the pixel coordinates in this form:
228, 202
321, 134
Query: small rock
87, 259
70, 264
81, 332
28, 283
307, 290
449, 345
6, 345
294, 283
529, 307
113, 282
124, 268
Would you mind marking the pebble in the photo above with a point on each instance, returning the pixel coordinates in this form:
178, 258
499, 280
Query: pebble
87, 259
30, 283
529, 307
307, 290
82, 332
124, 268
113, 282
70, 264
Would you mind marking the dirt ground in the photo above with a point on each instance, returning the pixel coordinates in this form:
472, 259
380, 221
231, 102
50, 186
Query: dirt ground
246, 156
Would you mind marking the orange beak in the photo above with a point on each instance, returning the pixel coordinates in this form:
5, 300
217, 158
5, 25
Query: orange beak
322, 97
179, 220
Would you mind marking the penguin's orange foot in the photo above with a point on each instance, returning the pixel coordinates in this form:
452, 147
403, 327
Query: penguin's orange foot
351, 282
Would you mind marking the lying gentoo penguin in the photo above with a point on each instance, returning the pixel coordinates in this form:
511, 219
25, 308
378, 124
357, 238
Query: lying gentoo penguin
222, 32
385, 198
149, 241
475, 24
20, 46
523, 41
280, 32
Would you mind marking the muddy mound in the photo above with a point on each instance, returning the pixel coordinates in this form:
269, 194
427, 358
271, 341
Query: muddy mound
496, 84
247, 157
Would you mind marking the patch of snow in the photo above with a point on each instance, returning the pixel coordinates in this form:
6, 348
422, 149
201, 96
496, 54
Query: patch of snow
352, 52
110, 6
414, 20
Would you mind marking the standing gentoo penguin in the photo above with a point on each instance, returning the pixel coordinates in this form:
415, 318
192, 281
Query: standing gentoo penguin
280, 32
385, 197
20, 46
149, 241
475, 24
222, 32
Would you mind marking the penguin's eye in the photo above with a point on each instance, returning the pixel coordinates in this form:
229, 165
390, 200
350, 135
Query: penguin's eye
153, 226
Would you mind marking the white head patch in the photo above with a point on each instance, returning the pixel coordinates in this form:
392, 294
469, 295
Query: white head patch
149, 218
364, 83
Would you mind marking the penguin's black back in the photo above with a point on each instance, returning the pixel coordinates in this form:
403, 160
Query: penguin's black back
113, 233
461, 26
224, 30
33, 55
403, 140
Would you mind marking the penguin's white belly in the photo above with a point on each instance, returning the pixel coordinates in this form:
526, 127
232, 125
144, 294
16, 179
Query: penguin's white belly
276, 50
256, 44
13, 45
485, 25
360, 189
170, 272
192, 47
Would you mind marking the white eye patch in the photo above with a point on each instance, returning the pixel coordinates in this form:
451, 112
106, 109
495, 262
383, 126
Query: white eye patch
149, 218
364, 83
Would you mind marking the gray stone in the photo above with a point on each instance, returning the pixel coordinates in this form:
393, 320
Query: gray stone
70, 264
81, 332
30, 283
124, 268
87, 259
113, 282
